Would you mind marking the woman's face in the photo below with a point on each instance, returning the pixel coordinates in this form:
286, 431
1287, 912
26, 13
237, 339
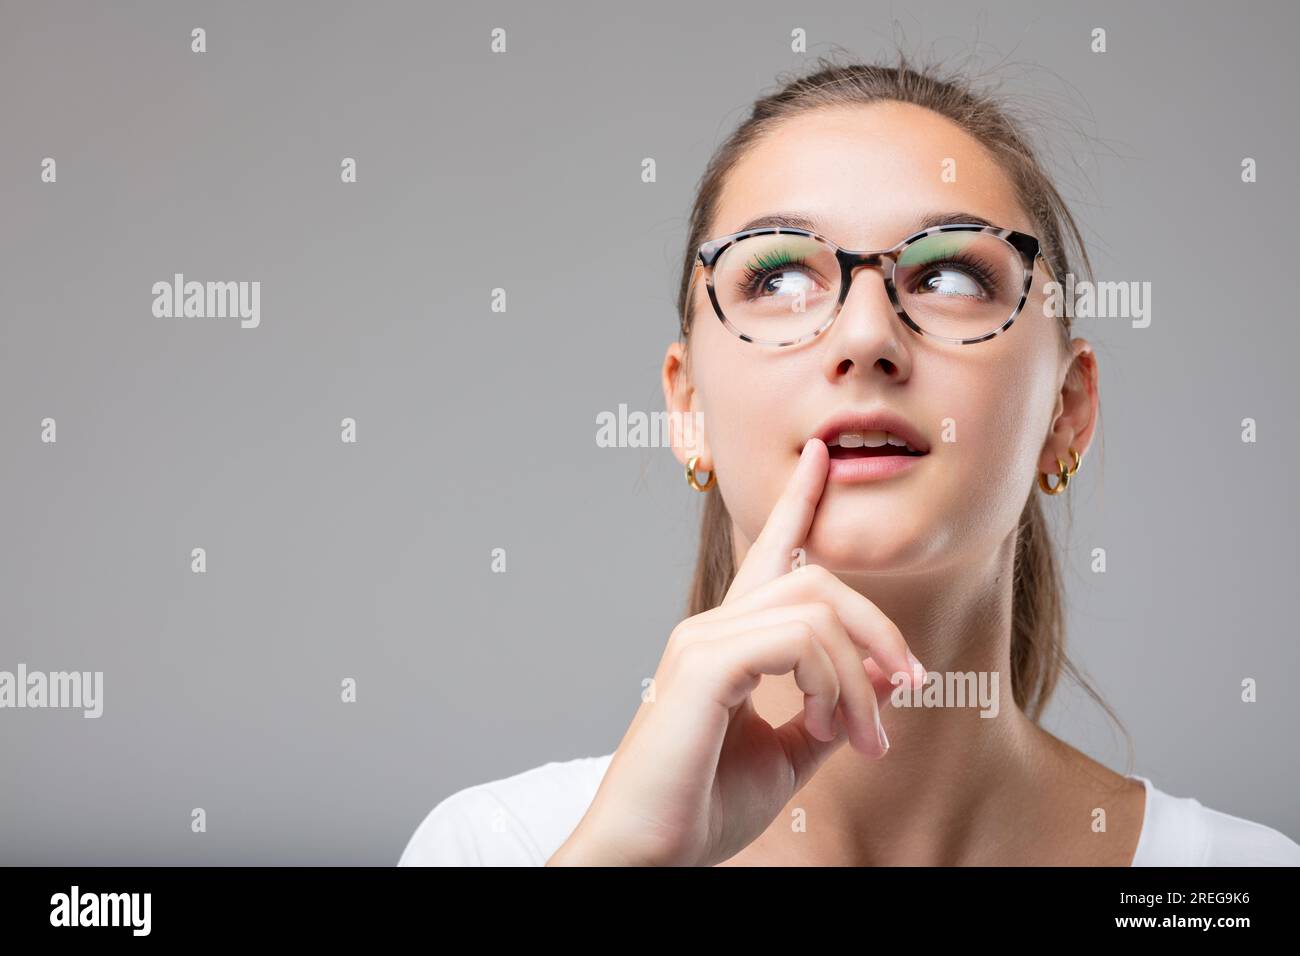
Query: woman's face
992, 413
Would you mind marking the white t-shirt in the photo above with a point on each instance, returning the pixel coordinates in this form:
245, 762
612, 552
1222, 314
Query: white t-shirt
521, 820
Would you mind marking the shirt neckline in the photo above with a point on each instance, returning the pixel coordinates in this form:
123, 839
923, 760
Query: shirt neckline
1144, 834
1151, 799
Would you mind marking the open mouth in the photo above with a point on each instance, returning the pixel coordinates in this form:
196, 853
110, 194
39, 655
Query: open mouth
837, 452
870, 444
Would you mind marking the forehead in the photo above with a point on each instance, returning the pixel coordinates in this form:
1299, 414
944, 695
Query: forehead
868, 175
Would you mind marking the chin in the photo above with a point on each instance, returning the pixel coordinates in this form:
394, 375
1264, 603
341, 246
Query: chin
863, 540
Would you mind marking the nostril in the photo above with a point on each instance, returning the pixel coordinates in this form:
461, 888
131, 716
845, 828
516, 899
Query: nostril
847, 364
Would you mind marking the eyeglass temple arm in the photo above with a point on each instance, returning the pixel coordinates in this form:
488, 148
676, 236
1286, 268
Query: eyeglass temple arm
695, 272
1048, 266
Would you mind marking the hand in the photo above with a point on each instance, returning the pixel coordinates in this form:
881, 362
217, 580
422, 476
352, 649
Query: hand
699, 775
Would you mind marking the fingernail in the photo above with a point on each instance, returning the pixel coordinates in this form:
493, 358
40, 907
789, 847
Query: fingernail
880, 732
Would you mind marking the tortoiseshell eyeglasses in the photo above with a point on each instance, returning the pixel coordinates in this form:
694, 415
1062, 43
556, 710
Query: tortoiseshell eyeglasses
960, 283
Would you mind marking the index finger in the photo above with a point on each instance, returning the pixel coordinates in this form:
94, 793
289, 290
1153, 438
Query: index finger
787, 526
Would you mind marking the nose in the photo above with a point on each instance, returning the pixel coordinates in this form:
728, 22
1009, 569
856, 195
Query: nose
867, 335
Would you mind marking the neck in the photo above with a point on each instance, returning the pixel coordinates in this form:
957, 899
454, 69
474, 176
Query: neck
948, 768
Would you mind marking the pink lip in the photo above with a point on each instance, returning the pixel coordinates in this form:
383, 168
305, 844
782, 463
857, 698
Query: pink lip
846, 470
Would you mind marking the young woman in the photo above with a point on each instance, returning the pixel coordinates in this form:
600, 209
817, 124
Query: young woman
888, 403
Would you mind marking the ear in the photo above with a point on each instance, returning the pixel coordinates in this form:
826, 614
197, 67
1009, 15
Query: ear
1075, 417
686, 421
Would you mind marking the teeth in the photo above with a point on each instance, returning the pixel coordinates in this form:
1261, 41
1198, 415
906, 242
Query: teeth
869, 439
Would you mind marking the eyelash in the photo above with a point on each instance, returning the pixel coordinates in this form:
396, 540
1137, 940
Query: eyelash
761, 270
975, 266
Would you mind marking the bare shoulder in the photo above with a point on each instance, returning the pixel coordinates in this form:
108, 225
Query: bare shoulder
1146, 826
1100, 812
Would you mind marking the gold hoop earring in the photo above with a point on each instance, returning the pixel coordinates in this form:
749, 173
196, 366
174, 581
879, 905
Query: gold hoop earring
1063, 475
695, 482
1074, 469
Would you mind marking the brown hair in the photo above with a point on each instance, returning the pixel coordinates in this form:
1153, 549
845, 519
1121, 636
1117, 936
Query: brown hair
1038, 626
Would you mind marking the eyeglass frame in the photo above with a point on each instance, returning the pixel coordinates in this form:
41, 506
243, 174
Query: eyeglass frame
1027, 245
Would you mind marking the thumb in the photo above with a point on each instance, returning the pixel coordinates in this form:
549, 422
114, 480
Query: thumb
806, 752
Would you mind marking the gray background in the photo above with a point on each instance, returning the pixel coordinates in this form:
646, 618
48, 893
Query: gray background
476, 429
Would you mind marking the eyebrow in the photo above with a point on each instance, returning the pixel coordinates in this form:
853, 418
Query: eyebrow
794, 220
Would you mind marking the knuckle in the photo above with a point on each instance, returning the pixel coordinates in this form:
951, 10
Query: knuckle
675, 634
814, 574
679, 644
804, 633
691, 655
824, 615
681, 634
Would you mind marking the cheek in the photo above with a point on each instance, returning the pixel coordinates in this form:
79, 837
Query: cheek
749, 450
999, 423
747, 418
992, 427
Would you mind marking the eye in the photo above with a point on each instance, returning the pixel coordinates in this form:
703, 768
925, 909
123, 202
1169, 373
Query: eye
950, 282
780, 282
956, 276
778, 276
